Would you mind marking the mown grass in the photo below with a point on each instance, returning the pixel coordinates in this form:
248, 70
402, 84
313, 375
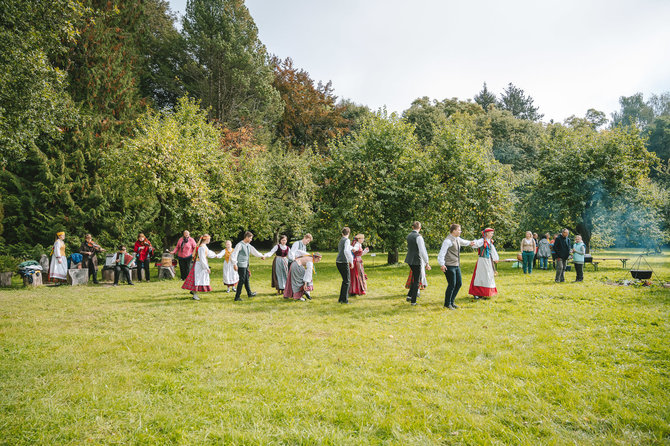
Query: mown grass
541, 363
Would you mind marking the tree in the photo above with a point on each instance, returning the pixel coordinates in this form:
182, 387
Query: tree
474, 189
377, 181
485, 98
427, 116
634, 111
34, 103
514, 141
230, 71
311, 116
514, 100
177, 168
582, 174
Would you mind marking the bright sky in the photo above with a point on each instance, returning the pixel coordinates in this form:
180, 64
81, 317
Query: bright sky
569, 55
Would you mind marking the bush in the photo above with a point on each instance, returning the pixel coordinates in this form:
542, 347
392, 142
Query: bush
8, 264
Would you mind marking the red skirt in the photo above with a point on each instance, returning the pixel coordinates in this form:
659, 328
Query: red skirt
189, 283
408, 284
359, 280
480, 290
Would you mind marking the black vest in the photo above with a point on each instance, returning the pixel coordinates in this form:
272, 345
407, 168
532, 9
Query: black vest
413, 257
341, 258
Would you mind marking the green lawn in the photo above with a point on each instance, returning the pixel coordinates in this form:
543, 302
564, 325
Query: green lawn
541, 363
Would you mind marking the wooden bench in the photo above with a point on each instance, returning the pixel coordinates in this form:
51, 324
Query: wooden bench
596, 261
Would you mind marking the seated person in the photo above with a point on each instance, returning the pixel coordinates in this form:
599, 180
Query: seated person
123, 263
300, 277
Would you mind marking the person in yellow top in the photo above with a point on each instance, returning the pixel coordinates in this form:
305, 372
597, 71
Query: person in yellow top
58, 266
230, 276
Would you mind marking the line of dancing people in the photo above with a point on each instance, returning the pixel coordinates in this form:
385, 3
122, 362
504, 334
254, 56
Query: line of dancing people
293, 268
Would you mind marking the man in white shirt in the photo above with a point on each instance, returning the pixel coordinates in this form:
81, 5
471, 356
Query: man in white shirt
416, 252
240, 260
299, 248
449, 260
344, 262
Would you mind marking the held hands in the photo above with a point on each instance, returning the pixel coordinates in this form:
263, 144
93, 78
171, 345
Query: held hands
428, 268
472, 244
444, 268
235, 267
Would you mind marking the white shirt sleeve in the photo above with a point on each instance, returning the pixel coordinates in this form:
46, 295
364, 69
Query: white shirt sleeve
293, 250
446, 244
203, 253
211, 254
462, 242
269, 254
422, 250
494, 253
233, 256
479, 243
347, 251
309, 267
254, 252
356, 247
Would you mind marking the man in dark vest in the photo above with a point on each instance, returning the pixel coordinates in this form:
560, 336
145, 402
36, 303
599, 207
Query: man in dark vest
344, 262
89, 250
416, 252
562, 247
449, 260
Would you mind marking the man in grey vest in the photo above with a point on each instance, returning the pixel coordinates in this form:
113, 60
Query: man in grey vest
449, 260
344, 262
240, 260
416, 252
299, 248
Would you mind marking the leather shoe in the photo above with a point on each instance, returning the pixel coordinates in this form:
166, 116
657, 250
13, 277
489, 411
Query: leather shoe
237, 299
453, 307
409, 299
253, 293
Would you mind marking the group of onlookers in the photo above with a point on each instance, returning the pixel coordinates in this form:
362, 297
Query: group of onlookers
559, 248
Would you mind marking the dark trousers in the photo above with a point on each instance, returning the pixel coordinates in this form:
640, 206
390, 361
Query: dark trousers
118, 269
560, 269
184, 266
92, 270
416, 277
343, 268
243, 271
453, 274
143, 265
579, 269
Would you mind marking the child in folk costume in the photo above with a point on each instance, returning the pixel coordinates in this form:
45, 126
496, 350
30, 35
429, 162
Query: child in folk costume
280, 264
483, 283
300, 277
230, 276
198, 278
123, 262
359, 280
58, 266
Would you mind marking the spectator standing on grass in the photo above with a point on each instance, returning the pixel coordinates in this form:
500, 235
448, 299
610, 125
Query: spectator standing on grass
543, 251
578, 253
528, 248
535, 256
184, 252
562, 248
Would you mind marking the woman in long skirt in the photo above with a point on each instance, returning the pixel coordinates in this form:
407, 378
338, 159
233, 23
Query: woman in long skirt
483, 282
58, 266
230, 276
300, 277
359, 280
280, 264
197, 280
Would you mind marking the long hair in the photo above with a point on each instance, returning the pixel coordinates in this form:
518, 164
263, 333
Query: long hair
201, 241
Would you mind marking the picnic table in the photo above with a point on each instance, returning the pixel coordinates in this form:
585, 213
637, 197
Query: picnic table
595, 261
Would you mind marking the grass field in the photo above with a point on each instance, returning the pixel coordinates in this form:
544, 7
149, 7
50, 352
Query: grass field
542, 363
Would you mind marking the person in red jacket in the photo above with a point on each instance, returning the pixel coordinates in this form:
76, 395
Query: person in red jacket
144, 251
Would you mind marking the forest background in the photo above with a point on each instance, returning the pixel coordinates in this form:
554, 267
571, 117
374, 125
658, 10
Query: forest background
114, 120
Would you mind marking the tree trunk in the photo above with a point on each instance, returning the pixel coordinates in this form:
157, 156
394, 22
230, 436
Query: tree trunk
393, 256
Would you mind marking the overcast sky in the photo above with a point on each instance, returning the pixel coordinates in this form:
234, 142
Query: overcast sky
569, 55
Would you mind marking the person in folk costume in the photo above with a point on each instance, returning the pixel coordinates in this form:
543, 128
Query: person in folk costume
144, 251
197, 280
230, 276
359, 280
184, 252
58, 266
280, 264
299, 248
417, 259
240, 259
344, 262
301, 277
483, 283
89, 250
449, 260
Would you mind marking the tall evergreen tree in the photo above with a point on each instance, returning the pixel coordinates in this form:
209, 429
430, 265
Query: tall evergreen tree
521, 106
485, 98
230, 71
